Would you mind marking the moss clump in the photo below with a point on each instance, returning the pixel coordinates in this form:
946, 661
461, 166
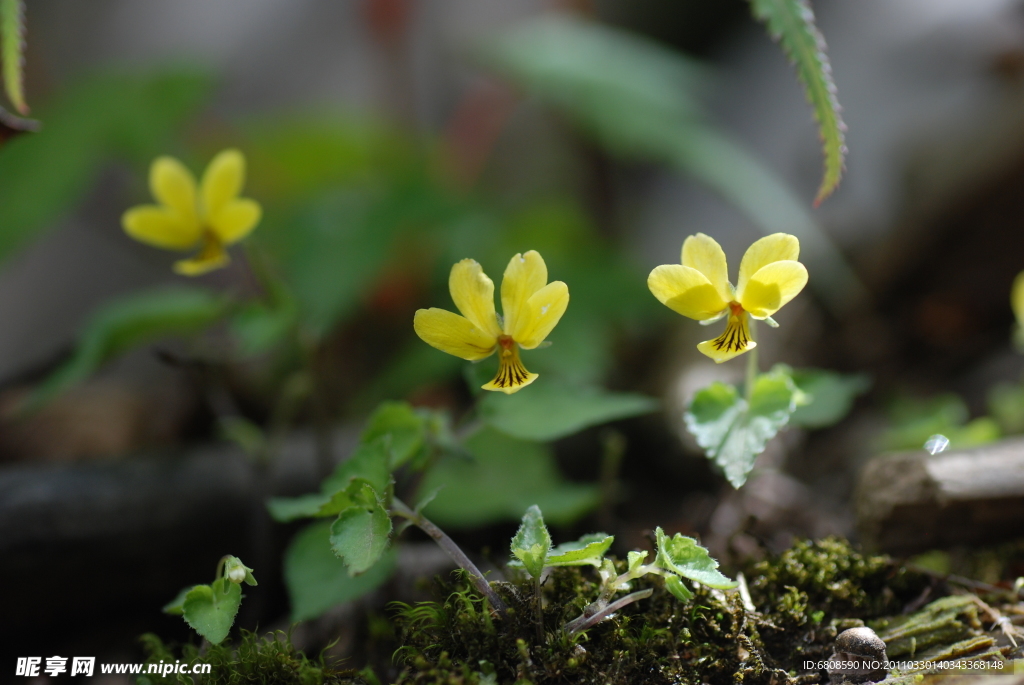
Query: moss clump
804, 598
270, 660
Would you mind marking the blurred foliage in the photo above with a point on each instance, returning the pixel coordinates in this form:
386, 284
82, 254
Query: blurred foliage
830, 395
1006, 405
45, 175
128, 322
641, 100
913, 420
502, 477
791, 23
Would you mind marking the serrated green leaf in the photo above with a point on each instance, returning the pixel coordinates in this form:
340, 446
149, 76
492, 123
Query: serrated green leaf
551, 411
503, 478
12, 40
791, 23
682, 555
318, 580
128, 322
732, 433
532, 541
176, 606
285, 509
405, 428
635, 559
677, 587
361, 534
588, 550
830, 396
211, 609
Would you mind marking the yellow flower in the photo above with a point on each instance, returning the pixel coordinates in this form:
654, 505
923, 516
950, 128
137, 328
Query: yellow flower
208, 217
699, 288
531, 305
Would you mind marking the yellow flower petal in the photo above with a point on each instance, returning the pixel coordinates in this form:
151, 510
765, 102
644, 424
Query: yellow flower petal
222, 181
212, 256
1017, 297
773, 286
174, 187
473, 294
687, 291
235, 220
702, 253
772, 248
160, 227
734, 341
525, 275
546, 307
453, 334
512, 376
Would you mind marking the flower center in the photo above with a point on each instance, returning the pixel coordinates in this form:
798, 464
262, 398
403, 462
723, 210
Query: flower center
736, 336
511, 372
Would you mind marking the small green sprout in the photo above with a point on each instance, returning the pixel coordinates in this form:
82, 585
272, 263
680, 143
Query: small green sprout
678, 557
210, 610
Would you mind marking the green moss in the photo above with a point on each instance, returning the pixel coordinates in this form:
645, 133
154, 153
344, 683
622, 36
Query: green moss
804, 598
271, 660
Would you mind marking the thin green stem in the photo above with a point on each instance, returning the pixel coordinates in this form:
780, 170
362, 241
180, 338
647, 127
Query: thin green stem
752, 366
399, 508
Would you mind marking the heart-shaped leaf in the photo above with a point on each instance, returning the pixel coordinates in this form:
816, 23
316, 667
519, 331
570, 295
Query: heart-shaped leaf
211, 609
361, 533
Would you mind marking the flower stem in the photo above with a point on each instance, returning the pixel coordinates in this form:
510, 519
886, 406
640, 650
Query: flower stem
399, 508
585, 621
752, 366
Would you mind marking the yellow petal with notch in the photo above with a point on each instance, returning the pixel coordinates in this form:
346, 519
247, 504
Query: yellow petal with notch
525, 275
545, 307
222, 181
160, 227
773, 248
453, 334
174, 187
773, 286
473, 293
703, 253
212, 256
235, 220
734, 341
686, 291
512, 376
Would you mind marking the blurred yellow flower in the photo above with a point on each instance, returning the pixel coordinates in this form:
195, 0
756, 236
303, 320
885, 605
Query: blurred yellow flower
699, 288
1017, 303
208, 217
531, 306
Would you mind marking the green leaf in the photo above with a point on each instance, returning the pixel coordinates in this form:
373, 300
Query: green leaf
260, 326
635, 559
677, 587
830, 396
361, 534
318, 580
370, 461
791, 23
1006, 405
548, 410
732, 433
588, 550
405, 428
12, 38
368, 465
505, 477
682, 555
914, 420
211, 609
532, 541
176, 607
128, 322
